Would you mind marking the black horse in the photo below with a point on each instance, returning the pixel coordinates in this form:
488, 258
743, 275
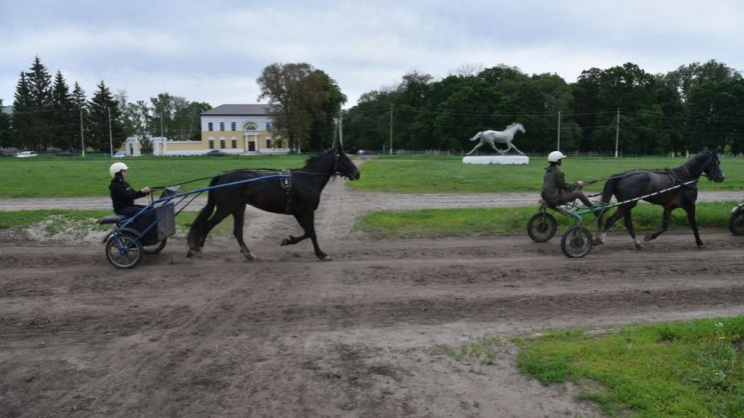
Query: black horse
298, 196
635, 185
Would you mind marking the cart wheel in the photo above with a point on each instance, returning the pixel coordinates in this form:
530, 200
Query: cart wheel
129, 255
736, 222
576, 242
541, 227
154, 249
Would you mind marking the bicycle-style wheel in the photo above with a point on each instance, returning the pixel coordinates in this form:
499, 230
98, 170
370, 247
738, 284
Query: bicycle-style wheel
576, 242
541, 227
124, 253
156, 248
736, 221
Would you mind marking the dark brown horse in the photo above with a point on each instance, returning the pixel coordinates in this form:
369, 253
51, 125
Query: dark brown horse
678, 187
298, 196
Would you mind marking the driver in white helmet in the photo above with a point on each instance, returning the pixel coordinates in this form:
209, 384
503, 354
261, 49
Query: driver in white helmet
122, 194
555, 190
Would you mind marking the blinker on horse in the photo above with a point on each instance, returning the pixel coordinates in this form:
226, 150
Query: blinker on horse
635, 185
300, 198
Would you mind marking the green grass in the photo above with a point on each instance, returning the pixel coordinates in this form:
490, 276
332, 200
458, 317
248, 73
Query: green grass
469, 222
449, 175
78, 176
679, 369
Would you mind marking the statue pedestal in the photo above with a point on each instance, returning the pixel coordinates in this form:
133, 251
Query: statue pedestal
497, 159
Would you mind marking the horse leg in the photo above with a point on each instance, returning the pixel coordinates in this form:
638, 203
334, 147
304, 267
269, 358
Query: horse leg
238, 221
475, 148
690, 209
631, 230
498, 150
307, 222
664, 226
216, 218
515, 148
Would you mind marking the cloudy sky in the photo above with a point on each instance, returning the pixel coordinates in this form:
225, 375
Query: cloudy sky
213, 51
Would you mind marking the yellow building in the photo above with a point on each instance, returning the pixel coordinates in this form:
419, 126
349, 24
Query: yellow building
232, 129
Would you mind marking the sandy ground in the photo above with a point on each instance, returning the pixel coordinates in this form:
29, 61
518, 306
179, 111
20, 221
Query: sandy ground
365, 335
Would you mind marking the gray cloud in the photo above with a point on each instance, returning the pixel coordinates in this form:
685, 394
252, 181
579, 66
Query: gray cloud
214, 51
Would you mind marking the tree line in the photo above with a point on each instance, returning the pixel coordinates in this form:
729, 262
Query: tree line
48, 115
694, 107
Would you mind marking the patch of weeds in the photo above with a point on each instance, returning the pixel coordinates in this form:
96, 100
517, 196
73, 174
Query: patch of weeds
480, 351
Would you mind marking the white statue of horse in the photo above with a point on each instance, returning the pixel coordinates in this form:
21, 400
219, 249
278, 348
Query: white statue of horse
501, 137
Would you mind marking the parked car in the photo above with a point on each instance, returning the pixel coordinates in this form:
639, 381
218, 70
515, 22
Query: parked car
26, 154
361, 152
120, 154
64, 153
216, 153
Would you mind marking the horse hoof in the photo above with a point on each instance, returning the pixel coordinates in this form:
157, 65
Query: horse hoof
598, 241
249, 256
648, 238
326, 258
638, 247
284, 242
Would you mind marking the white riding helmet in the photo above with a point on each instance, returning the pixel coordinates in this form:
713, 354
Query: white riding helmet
116, 167
555, 156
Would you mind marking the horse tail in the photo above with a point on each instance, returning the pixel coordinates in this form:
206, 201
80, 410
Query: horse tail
478, 135
197, 232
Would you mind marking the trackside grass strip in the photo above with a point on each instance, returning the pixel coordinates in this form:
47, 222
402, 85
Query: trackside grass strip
468, 222
677, 369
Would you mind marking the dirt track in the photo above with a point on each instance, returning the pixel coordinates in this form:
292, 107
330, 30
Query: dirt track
361, 336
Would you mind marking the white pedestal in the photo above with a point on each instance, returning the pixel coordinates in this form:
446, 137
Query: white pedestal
497, 159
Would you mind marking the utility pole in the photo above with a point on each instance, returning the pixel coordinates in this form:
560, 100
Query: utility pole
558, 147
391, 129
82, 136
111, 135
341, 128
617, 131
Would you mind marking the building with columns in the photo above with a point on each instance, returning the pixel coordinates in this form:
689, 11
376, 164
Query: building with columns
231, 128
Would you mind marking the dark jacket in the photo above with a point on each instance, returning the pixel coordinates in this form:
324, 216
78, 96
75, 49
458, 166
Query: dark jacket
553, 184
123, 195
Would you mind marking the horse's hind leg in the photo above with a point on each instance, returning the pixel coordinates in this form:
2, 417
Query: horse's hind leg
475, 148
664, 226
307, 222
497, 150
238, 221
631, 230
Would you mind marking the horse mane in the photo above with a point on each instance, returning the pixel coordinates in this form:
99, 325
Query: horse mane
314, 158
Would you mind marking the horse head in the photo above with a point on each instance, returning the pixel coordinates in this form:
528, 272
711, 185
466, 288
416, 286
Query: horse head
712, 168
344, 166
520, 128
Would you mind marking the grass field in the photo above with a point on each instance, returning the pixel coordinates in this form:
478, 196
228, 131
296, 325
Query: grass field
77, 176
680, 369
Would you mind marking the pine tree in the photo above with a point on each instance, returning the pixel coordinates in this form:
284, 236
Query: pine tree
64, 124
4, 127
105, 128
23, 123
40, 93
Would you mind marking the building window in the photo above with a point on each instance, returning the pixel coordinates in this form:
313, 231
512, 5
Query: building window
250, 126
211, 144
268, 126
268, 142
222, 143
232, 126
210, 127
234, 143
222, 126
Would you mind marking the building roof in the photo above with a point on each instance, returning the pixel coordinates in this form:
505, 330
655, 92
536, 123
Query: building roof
238, 110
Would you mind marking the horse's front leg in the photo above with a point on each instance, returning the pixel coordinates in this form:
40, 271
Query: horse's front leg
238, 221
498, 150
217, 217
664, 226
690, 209
515, 148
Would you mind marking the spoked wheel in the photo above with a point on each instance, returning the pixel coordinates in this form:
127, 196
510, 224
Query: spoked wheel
156, 248
127, 254
736, 221
576, 242
541, 227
